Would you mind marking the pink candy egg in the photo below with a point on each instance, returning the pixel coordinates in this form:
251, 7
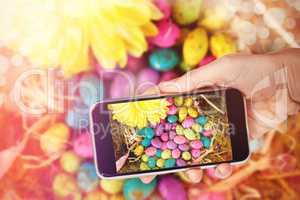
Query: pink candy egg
184, 147
168, 126
196, 144
172, 110
168, 34
188, 122
164, 146
170, 100
180, 163
123, 85
146, 79
159, 130
164, 137
169, 75
150, 151
156, 143
171, 188
196, 153
164, 6
172, 135
179, 139
176, 153
207, 133
134, 64
207, 60
82, 145
171, 145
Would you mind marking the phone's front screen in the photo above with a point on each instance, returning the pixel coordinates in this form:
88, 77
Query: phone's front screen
171, 132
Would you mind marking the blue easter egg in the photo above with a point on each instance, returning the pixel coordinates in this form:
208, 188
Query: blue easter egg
151, 162
147, 132
164, 59
205, 141
170, 163
158, 153
91, 89
202, 120
172, 118
135, 189
146, 142
77, 118
87, 178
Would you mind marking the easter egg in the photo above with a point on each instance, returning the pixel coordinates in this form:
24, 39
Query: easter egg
186, 12
145, 158
146, 142
195, 47
207, 133
87, 178
155, 142
164, 6
168, 34
188, 122
205, 142
164, 59
186, 155
91, 89
178, 101
135, 189
164, 137
222, 44
176, 153
172, 135
188, 102
64, 186
171, 188
183, 147
139, 150
179, 130
69, 161
150, 151
171, 145
159, 129
55, 138
196, 144
168, 75
82, 145
134, 64
123, 85
166, 154
180, 163
182, 113
147, 132
77, 118
112, 186
160, 163
179, 139
172, 118
146, 79
196, 153
207, 60
151, 162
197, 128
158, 153
214, 19
172, 110
169, 163
202, 120
168, 126
189, 134
144, 166
192, 112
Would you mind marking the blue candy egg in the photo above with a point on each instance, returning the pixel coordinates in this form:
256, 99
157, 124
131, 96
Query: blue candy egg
87, 178
164, 59
170, 163
135, 189
205, 141
151, 162
146, 142
158, 153
172, 118
147, 132
202, 120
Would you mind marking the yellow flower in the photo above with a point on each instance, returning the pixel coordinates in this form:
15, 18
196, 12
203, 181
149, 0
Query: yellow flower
62, 33
140, 113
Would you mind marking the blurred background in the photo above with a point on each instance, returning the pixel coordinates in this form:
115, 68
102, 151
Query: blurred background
59, 57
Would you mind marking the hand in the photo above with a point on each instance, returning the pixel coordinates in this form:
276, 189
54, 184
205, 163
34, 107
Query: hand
261, 78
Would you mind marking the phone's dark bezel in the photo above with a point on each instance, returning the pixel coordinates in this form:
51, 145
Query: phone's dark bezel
104, 152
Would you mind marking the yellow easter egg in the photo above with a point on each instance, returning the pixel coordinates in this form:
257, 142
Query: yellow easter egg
112, 186
70, 162
64, 186
222, 44
96, 195
214, 19
195, 47
186, 12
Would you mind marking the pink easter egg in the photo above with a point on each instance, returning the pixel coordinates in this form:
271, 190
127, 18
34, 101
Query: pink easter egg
179, 139
146, 78
168, 34
164, 137
150, 151
168, 126
188, 122
170, 100
171, 188
171, 145
180, 163
134, 64
164, 146
168, 75
156, 142
176, 153
207, 133
196, 144
83, 146
172, 110
196, 153
123, 85
164, 6
172, 135
183, 147
159, 129
207, 60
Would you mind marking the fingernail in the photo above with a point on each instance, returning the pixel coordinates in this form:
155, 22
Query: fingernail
195, 176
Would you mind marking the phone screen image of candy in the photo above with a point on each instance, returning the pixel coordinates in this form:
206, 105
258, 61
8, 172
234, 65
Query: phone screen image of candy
170, 132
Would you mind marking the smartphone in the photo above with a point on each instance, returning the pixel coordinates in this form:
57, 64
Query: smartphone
169, 133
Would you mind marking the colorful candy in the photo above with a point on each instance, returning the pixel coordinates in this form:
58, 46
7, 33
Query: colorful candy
183, 147
197, 128
178, 101
155, 142
189, 134
182, 113
188, 122
150, 151
166, 154
135, 188
82, 145
164, 137
206, 142
196, 153
169, 163
179, 139
172, 110
69, 161
65, 186
160, 163
146, 142
192, 112
222, 44
180, 163
196, 144
164, 59
146, 79
188, 102
171, 145
151, 162
202, 120
186, 155
186, 12
112, 186
179, 129
207, 133
176, 153
139, 150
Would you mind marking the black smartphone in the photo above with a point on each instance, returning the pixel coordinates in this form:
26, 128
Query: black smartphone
169, 133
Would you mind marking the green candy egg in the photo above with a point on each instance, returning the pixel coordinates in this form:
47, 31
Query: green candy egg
166, 154
146, 142
164, 59
186, 12
172, 118
145, 158
197, 128
179, 130
134, 189
189, 134
206, 142
170, 163
151, 162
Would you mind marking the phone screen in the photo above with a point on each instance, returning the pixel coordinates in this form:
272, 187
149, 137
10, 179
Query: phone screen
170, 132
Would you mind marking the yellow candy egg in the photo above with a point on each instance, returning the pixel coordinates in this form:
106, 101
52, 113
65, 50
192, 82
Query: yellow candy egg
188, 102
186, 155
182, 113
160, 163
186, 12
192, 112
70, 162
112, 186
139, 150
195, 47
144, 166
96, 195
222, 44
64, 186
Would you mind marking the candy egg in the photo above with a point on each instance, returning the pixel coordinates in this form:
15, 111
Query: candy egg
207, 133
188, 102
179, 130
192, 112
183, 147
82, 145
166, 154
170, 100
69, 161
189, 134
196, 153
156, 142
145, 158
164, 146
134, 64
202, 120
186, 155
196, 144
160, 163
87, 178
222, 44
197, 128
135, 189
179, 139
171, 188
112, 186
168, 34
178, 101
164, 137
176, 153
171, 162
150, 151
205, 142
168, 126
172, 118
171, 145
146, 79
182, 113
188, 122
207, 60
195, 47
144, 166
164, 6
214, 19
139, 150
164, 59
159, 130
158, 153
125, 79
172, 135
186, 12
169, 75
65, 186
147, 132
180, 163
146, 142
172, 110
77, 118
151, 162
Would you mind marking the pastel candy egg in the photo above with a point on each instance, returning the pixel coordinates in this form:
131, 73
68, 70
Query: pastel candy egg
186, 155
183, 147
160, 163
197, 128
170, 100
164, 59
164, 146
77, 118
87, 178
70, 162
164, 6
134, 189
179, 139
172, 110
139, 150
207, 133
146, 142
205, 142
158, 153
166, 154
156, 142
164, 137
188, 102
178, 101
222, 44
179, 130
208, 126
145, 158
196, 144
147, 132
150, 151
182, 113
180, 163
202, 120
146, 79
188, 122
170, 163
207, 60
171, 188
111, 186
189, 134
176, 153
196, 153
171, 145
144, 166
195, 47
91, 89
159, 130
168, 126
127, 80
172, 118
172, 135
82, 145
186, 12
192, 112
168, 34
64, 186
151, 162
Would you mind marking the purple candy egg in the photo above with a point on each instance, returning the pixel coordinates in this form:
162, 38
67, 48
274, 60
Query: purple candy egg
168, 126
180, 163
171, 188
156, 142
159, 130
176, 153
164, 137
171, 145
184, 147
188, 122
